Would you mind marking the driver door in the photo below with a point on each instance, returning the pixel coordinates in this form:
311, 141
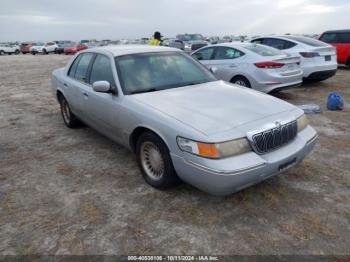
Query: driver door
103, 108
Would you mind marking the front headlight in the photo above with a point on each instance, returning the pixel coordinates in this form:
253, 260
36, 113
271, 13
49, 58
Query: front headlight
220, 150
302, 123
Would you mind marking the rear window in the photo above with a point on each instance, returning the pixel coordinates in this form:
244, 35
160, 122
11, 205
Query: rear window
263, 50
306, 40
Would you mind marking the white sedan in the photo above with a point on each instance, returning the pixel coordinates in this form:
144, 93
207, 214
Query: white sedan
318, 59
255, 66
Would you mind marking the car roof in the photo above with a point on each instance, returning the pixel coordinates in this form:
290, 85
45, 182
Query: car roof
234, 44
338, 31
120, 50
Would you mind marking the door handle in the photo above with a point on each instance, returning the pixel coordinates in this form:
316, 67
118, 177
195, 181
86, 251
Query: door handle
233, 65
64, 84
85, 94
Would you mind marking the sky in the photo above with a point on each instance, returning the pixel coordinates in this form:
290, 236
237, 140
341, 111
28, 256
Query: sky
47, 20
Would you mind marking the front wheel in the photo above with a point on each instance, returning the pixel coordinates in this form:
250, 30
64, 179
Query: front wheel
45, 52
241, 81
17, 52
2, 52
155, 163
68, 117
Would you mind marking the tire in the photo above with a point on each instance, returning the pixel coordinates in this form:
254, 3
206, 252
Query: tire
155, 163
17, 52
33, 53
45, 52
69, 118
2, 52
241, 81
348, 64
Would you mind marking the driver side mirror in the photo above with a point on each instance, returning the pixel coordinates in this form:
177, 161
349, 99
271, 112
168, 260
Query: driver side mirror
101, 86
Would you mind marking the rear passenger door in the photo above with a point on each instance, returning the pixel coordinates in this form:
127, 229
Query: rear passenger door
77, 84
226, 62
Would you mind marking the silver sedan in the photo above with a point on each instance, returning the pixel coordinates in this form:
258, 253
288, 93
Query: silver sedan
180, 121
262, 68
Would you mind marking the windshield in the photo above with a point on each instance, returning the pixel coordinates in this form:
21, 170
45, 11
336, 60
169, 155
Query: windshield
149, 72
263, 50
39, 44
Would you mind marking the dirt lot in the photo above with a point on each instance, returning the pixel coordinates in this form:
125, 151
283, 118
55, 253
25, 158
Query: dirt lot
68, 191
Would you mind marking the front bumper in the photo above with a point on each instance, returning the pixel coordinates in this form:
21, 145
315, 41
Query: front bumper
246, 170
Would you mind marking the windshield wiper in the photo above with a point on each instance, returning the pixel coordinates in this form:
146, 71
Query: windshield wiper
143, 91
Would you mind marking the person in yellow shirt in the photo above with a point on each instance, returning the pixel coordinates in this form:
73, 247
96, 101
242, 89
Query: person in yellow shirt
157, 39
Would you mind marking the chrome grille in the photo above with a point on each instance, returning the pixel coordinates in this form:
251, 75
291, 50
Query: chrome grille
274, 138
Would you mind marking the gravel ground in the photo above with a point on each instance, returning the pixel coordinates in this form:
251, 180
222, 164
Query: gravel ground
68, 191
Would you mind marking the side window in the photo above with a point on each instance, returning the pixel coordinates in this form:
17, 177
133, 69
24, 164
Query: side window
329, 38
101, 70
73, 67
278, 43
258, 41
288, 44
227, 53
344, 38
204, 54
82, 68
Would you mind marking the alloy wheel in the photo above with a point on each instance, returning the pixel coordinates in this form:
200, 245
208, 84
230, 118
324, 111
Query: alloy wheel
241, 83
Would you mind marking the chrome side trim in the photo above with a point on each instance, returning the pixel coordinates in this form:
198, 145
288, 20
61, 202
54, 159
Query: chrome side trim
222, 172
312, 140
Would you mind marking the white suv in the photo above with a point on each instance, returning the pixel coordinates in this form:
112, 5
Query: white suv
318, 59
47, 48
9, 49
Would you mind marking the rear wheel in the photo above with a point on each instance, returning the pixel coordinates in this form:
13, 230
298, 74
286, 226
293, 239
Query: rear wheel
348, 64
68, 117
17, 52
45, 52
155, 163
241, 81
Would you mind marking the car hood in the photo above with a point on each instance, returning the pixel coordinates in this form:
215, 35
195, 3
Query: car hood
214, 107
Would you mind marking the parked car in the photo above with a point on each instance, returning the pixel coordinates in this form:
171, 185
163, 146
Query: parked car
75, 48
179, 120
61, 45
318, 59
340, 39
25, 48
43, 48
9, 49
192, 42
260, 67
173, 42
